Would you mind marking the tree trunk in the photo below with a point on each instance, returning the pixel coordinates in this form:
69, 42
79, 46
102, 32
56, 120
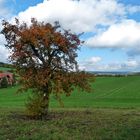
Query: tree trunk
38, 104
45, 106
45, 100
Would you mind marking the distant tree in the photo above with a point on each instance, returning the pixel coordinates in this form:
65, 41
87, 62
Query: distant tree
44, 56
1, 64
5, 65
4, 82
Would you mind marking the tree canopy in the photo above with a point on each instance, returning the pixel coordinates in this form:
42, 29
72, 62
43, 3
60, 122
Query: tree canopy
44, 56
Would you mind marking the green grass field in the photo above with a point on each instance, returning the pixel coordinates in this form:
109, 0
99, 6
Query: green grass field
95, 124
110, 112
4, 69
110, 92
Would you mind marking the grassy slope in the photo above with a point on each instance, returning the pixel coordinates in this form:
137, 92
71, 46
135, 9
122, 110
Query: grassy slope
10, 99
78, 123
101, 124
112, 92
109, 92
4, 69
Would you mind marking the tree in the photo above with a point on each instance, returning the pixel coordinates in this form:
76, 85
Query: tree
44, 56
4, 82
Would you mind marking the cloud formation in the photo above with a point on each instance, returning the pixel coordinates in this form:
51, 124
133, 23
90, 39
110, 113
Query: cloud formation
90, 63
129, 65
94, 59
4, 53
106, 20
79, 16
91, 16
120, 35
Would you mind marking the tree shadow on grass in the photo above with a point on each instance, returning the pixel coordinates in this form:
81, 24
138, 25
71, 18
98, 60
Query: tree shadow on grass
52, 115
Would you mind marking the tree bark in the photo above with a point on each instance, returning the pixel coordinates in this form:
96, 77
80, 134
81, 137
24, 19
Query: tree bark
45, 106
45, 101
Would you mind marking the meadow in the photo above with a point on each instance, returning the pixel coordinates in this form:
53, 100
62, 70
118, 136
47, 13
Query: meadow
110, 112
4, 69
108, 92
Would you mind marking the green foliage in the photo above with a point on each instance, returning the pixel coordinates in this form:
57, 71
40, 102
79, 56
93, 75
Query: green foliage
36, 105
4, 82
5, 65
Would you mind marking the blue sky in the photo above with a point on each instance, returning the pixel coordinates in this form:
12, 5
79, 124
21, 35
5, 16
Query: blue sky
111, 28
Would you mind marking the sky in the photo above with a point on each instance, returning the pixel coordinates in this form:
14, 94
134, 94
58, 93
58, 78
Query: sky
111, 29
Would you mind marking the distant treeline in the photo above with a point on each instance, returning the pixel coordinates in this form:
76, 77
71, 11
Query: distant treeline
136, 73
114, 74
6, 65
117, 75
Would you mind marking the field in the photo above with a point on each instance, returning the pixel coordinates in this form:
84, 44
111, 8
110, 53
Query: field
110, 92
110, 112
4, 69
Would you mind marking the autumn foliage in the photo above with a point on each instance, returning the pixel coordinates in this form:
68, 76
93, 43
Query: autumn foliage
45, 58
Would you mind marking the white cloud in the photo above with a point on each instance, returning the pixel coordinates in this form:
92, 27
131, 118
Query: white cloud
4, 53
94, 60
4, 12
119, 35
131, 64
79, 16
2, 40
133, 9
85, 16
91, 62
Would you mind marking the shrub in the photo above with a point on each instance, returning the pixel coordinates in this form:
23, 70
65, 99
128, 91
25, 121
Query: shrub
4, 82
